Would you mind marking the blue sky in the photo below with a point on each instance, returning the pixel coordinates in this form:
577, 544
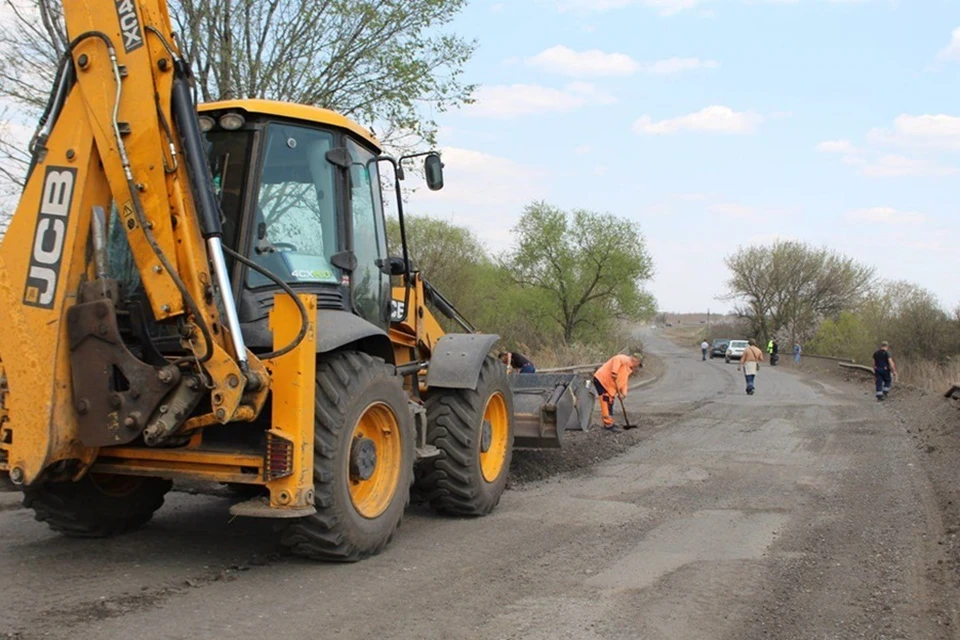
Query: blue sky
715, 124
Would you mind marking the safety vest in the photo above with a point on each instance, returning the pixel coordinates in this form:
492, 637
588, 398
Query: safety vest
770, 347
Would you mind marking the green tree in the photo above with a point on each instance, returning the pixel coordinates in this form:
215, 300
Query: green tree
447, 255
387, 63
591, 266
454, 260
845, 336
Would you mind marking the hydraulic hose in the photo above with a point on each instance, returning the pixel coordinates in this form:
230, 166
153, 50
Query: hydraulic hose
304, 316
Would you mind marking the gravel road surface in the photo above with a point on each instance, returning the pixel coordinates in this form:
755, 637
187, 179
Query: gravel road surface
804, 511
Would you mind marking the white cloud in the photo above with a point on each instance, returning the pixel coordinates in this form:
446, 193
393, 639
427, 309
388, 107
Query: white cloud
886, 215
596, 63
582, 149
836, 146
936, 131
664, 7
733, 210
851, 153
922, 135
713, 119
677, 65
898, 166
593, 62
952, 51
482, 191
508, 101
738, 211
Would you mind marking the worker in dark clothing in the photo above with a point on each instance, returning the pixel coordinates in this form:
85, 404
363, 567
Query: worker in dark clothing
517, 361
884, 369
774, 350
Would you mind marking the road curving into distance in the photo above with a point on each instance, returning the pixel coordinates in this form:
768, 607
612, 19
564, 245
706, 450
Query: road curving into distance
799, 512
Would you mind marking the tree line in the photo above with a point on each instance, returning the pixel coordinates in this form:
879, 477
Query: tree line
836, 306
570, 277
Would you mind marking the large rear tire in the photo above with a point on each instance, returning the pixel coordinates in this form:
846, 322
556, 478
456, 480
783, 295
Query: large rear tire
97, 505
363, 460
474, 432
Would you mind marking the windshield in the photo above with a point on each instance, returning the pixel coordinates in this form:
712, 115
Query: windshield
738, 344
228, 154
295, 222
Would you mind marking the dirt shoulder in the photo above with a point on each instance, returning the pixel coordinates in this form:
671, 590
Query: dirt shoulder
932, 422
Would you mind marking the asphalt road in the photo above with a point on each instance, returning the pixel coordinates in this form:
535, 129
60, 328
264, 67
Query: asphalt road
800, 512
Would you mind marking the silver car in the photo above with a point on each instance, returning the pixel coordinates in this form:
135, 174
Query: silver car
735, 349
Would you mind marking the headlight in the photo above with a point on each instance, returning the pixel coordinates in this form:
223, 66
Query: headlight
231, 121
206, 123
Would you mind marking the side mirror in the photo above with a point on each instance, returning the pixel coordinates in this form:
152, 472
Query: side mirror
392, 266
433, 170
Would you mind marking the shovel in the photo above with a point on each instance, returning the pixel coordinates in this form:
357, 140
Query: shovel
626, 420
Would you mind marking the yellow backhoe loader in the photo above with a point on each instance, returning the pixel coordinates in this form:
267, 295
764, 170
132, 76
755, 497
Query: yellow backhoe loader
204, 293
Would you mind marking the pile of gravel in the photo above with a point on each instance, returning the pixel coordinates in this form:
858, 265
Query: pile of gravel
581, 450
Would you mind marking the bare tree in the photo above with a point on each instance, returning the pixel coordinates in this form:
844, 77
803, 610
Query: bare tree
386, 63
793, 286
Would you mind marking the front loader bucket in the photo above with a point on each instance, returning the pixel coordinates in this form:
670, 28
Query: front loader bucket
547, 404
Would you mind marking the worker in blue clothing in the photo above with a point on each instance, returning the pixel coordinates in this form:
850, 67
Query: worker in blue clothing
884, 370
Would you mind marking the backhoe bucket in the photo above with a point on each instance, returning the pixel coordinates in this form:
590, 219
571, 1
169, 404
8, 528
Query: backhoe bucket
547, 404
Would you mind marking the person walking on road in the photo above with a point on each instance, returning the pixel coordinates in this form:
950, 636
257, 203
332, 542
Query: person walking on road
750, 363
884, 370
612, 381
704, 347
517, 361
796, 352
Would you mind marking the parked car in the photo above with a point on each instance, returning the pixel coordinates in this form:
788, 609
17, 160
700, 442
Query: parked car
735, 349
719, 348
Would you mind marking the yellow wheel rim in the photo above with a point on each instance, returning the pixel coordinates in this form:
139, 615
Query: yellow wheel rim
495, 430
374, 462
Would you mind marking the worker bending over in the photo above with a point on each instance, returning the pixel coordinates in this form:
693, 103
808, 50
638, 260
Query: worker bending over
517, 361
612, 381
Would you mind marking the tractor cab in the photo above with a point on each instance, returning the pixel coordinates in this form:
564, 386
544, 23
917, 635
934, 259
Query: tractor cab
300, 194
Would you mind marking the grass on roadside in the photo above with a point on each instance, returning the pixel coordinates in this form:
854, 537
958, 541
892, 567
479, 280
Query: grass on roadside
566, 355
930, 376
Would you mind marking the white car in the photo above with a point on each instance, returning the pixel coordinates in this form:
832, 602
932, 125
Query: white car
735, 349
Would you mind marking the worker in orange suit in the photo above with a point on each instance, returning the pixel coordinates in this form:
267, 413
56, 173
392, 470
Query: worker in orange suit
611, 381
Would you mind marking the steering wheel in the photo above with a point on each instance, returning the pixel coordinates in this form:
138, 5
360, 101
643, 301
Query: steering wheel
285, 246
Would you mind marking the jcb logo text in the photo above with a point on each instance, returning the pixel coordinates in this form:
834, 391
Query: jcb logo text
48, 239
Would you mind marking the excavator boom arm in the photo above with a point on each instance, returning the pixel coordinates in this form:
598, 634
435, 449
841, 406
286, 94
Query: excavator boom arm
119, 135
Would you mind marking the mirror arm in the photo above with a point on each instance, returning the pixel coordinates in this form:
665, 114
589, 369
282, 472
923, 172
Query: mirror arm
410, 156
403, 228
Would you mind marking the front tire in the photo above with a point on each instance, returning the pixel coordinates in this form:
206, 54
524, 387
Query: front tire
474, 432
97, 505
363, 460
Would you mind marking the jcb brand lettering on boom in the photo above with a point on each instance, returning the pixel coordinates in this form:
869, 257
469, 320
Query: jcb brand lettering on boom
129, 25
49, 237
